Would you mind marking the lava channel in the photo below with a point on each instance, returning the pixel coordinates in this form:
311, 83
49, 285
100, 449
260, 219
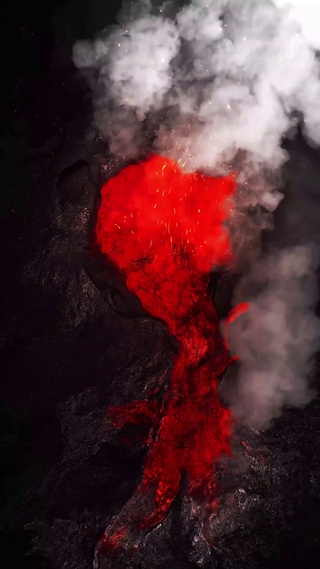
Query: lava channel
165, 230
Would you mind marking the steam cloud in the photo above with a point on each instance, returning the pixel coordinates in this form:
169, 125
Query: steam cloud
218, 84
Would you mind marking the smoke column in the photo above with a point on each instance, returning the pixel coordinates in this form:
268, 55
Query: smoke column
216, 85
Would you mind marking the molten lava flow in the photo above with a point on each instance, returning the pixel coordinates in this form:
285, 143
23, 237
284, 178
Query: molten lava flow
164, 229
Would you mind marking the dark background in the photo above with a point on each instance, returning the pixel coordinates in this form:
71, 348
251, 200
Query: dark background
41, 93
39, 88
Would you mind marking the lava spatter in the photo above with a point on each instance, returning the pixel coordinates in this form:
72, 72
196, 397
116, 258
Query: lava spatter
165, 229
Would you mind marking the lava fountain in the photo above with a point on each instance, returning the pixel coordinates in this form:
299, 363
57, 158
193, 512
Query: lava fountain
165, 230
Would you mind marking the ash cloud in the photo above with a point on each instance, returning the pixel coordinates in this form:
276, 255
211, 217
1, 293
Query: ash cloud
217, 85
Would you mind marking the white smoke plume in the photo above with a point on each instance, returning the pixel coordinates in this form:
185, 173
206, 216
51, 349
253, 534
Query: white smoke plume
219, 84
277, 336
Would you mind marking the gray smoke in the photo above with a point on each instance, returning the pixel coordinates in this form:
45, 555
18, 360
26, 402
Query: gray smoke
219, 83
278, 335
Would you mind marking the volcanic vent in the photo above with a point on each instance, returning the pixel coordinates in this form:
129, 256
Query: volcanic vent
163, 228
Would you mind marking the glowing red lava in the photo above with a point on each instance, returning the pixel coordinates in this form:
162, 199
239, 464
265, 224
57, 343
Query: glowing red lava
165, 229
